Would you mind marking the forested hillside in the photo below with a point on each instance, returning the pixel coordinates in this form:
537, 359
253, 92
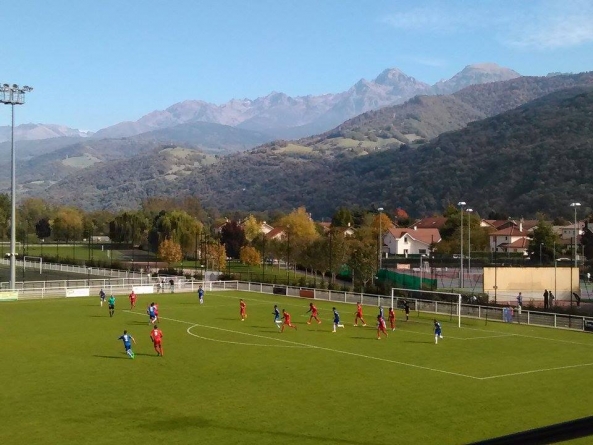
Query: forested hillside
533, 158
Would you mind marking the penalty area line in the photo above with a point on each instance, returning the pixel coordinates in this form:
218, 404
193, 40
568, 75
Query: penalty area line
557, 368
322, 348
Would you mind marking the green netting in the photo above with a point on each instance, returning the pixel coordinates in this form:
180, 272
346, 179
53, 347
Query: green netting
407, 281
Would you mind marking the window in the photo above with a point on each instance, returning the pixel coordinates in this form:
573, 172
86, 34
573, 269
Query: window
421, 251
405, 240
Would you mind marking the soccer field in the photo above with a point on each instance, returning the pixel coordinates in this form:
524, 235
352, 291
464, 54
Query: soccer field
67, 380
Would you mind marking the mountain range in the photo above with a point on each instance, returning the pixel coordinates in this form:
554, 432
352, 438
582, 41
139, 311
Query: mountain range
278, 115
376, 160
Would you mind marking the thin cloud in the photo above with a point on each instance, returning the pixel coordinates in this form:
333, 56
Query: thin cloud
542, 25
553, 25
432, 19
428, 61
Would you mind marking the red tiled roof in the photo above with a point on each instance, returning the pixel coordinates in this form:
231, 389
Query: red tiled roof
426, 236
433, 222
275, 232
509, 231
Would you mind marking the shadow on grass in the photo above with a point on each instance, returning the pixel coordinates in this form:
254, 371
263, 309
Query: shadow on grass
112, 356
187, 422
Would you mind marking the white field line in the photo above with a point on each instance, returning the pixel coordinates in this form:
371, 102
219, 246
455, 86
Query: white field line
321, 348
240, 343
558, 368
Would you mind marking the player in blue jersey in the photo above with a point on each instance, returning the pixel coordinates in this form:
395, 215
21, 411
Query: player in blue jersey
128, 339
201, 294
381, 313
151, 314
337, 323
438, 332
277, 318
102, 296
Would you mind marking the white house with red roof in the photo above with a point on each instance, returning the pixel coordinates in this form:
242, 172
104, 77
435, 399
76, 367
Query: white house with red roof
276, 233
510, 239
410, 241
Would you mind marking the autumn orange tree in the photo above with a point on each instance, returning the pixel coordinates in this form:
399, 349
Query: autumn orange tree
250, 256
170, 251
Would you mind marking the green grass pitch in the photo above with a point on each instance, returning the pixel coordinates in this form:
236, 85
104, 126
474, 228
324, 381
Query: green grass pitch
66, 379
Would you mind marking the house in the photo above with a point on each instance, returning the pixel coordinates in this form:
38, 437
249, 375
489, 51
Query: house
432, 222
568, 232
410, 241
277, 234
510, 239
346, 231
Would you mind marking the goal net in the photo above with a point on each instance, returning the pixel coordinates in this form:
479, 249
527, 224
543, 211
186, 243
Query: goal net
442, 303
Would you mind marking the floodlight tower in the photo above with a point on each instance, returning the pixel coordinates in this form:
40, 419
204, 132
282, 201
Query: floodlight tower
461, 204
380, 240
13, 95
575, 205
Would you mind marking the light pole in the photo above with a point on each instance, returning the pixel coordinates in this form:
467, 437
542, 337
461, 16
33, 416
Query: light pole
575, 205
461, 204
421, 269
540, 253
13, 95
380, 244
469, 240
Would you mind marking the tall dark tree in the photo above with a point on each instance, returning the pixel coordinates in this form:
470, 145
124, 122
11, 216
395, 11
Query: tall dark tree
43, 228
342, 218
233, 237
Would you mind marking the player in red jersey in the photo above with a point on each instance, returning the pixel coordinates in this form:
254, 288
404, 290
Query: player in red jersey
132, 300
392, 319
359, 315
381, 327
243, 309
313, 311
287, 322
156, 313
156, 335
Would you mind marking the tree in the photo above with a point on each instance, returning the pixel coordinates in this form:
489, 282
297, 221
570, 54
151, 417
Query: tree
4, 215
250, 256
233, 237
362, 262
251, 227
178, 226
342, 218
67, 224
300, 230
43, 228
215, 255
402, 218
544, 237
170, 251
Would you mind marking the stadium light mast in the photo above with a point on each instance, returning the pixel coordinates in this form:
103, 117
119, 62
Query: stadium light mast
380, 209
575, 205
469, 240
13, 95
461, 204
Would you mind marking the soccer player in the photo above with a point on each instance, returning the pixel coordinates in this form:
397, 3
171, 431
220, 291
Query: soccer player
102, 296
156, 335
287, 322
201, 294
127, 339
407, 309
151, 315
380, 327
438, 332
156, 312
111, 305
132, 300
277, 319
359, 315
392, 319
313, 310
337, 323
243, 309
381, 312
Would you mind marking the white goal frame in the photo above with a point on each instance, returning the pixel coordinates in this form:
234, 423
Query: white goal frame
403, 289
36, 257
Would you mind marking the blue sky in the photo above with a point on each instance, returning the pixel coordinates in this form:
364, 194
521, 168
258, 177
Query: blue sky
96, 63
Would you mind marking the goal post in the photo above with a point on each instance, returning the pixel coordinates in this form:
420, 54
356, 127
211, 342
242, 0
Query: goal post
25, 258
429, 301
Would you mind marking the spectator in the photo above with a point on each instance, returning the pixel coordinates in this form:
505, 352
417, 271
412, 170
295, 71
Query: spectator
551, 299
172, 285
577, 298
519, 300
546, 295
